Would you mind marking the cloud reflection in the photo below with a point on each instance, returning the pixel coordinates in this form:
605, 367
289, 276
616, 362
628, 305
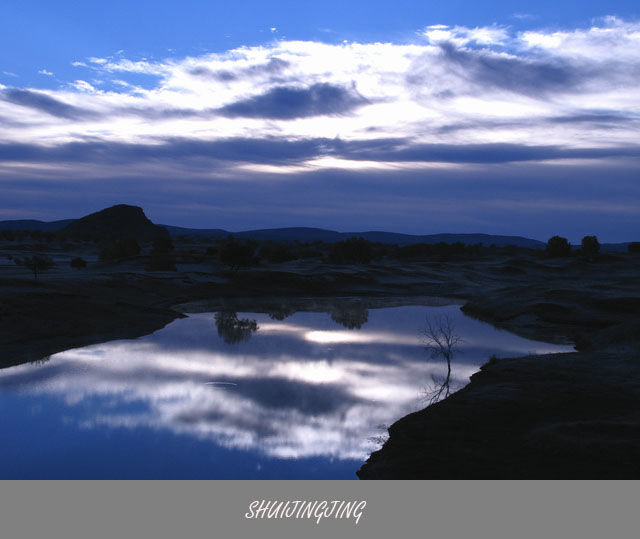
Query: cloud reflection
297, 389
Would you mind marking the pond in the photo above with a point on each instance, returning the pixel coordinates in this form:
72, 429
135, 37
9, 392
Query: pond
289, 394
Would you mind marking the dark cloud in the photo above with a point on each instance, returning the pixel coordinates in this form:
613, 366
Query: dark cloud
608, 119
514, 74
522, 75
151, 113
596, 117
43, 102
221, 75
273, 67
397, 150
198, 153
286, 103
267, 150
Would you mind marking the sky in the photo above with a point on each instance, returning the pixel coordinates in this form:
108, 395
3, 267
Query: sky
417, 117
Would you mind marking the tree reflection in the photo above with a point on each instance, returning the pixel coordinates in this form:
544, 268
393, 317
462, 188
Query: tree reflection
440, 341
40, 361
350, 316
232, 329
281, 312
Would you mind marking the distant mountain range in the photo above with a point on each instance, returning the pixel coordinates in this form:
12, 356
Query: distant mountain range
32, 224
131, 218
330, 236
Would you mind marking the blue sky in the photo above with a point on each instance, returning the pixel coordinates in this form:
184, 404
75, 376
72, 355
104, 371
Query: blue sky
415, 117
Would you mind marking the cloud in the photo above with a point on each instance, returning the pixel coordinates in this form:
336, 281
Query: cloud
524, 16
200, 154
522, 75
184, 151
45, 72
456, 98
488, 35
42, 102
273, 67
286, 103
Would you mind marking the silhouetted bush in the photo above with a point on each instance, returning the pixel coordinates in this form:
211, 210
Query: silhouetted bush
276, 253
211, 251
78, 262
38, 264
447, 250
351, 251
414, 250
237, 254
634, 247
558, 246
590, 247
38, 235
8, 235
161, 262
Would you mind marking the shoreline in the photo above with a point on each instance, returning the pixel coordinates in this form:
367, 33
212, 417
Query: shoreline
530, 417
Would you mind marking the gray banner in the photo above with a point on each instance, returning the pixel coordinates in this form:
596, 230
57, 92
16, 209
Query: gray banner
208, 509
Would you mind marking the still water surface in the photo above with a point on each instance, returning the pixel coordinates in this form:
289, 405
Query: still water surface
235, 395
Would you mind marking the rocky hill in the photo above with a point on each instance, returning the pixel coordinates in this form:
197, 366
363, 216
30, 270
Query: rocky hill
113, 223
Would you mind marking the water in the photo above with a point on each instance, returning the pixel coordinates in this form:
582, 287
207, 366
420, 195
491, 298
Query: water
222, 397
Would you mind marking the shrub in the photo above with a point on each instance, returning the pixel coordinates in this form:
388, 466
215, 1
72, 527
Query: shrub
351, 251
237, 254
161, 262
414, 250
447, 250
78, 262
38, 264
634, 247
277, 253
590, 246
558, 246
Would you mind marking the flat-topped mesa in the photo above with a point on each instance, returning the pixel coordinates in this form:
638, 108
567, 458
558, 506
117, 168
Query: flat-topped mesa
116, 222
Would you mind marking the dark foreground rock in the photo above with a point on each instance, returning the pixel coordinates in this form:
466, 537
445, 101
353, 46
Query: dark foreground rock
540, 417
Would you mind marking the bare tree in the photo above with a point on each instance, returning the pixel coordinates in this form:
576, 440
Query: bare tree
38, 264
440, 340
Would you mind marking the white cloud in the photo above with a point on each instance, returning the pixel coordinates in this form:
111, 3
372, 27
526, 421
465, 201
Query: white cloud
460, 86
45, 72
523, 16
83, 86
460, 35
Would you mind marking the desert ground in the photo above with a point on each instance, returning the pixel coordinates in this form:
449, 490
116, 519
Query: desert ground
552, 416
